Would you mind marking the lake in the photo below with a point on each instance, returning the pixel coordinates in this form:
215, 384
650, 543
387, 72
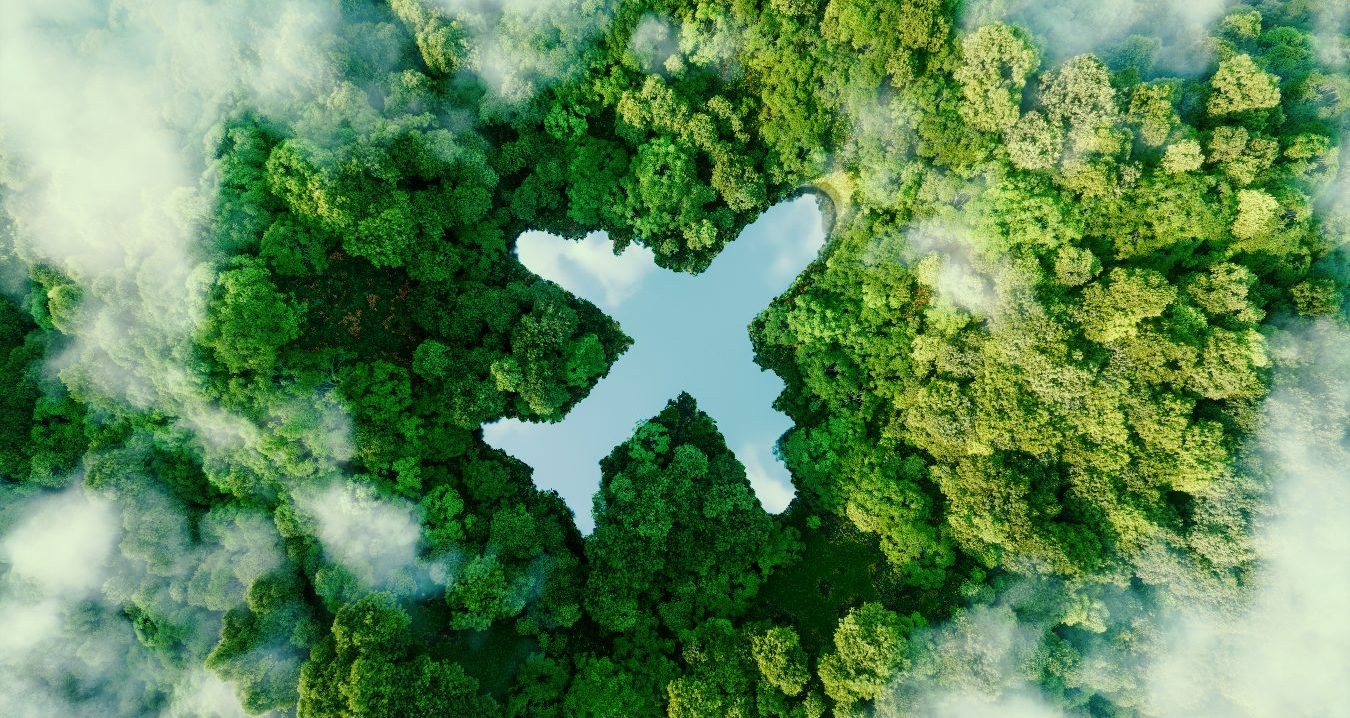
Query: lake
689, 334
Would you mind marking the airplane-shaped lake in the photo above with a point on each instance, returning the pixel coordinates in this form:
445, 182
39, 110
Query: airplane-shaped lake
689, 334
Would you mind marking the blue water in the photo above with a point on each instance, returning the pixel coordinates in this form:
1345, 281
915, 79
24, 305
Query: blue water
689, 334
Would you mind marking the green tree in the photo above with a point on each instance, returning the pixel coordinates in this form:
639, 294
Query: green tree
1078, 96
368, 668
1241, 86
869, 650
680, 536
996, 62
780, 659
1113, 309
250, 321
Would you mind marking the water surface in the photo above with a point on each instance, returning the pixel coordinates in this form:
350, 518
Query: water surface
689, 334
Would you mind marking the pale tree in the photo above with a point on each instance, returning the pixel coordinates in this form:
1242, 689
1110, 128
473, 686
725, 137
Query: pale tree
1034, 143
1241, 155
781, 660
1112, 310
1078, 96
1151, 109
1239, 86
1181, 157
1257, 223
996, 61
869, 650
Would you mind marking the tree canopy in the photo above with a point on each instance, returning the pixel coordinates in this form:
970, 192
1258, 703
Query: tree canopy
1023, 375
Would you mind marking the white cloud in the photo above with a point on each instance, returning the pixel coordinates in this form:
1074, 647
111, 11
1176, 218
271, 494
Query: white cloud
1280, 650
24, 624
1331, 24
203, 695
971, 667
948, 260
654, 42
108, 107
1288, 652
518, 45
587, 267
63, 546
971, 705
58, 554
373, 537
1071, 27
773, 493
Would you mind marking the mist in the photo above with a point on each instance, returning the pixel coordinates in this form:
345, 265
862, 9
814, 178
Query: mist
106, 131
1285, 655
1275, 648
654, 42
519, 46
946, 258
70, 568
375, 539
112, 187
1073, 27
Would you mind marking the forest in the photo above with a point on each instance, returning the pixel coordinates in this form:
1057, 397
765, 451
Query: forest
1069, 382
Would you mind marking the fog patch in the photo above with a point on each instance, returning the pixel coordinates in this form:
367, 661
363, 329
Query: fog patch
1288, 653
1331, 26
110, 184
520, 45
67, 642
203, 695
62, 547
373, 537
881, 127
1074, 27
655, 44
968, 705
946, 257
977, 665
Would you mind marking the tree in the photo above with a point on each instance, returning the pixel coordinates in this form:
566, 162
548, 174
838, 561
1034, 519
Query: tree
780, 659
1241, 86
1078, 96
719, 679
1151, 109
602, 689
367, 669
259, 638
996, 61
20, 350
1241, 156
1112, 309
680, 537
292, 249
666, 200
869, 650
1182, 156
443, 43
1258, 223
251, 319
1034, 143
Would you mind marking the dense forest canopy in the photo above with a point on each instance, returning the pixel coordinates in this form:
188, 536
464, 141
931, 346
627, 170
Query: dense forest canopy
1068, 383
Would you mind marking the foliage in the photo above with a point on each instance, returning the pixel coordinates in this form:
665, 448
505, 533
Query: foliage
1030, 354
